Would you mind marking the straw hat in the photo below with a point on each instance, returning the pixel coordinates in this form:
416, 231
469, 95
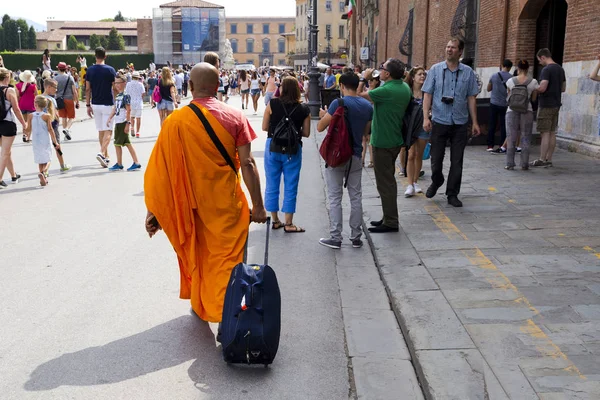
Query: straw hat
135, 75
26, 77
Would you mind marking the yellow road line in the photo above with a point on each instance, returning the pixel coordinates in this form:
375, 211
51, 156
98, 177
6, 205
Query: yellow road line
499, 280
588, 248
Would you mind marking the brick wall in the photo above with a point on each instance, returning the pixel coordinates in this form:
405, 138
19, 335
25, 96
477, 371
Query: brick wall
583, 30
144, 35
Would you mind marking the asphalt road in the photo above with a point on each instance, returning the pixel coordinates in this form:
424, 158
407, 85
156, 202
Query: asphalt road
90, 307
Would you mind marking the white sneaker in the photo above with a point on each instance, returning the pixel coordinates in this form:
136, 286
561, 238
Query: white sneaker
410, 191
417, 188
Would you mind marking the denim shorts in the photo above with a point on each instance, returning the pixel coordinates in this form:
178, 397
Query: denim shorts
254, 92
165, 105
425, 135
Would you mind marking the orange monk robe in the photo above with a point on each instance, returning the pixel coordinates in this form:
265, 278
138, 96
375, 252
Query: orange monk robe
199, 203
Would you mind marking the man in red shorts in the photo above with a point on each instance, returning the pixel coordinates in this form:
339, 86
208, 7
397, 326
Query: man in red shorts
68, 92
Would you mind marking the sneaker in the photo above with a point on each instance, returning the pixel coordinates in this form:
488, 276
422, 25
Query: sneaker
357, 243
103, 161
132, 134
116, 167
134, 167
332, 244
3, 185
490, 149
15, 179
417, 188
421, 174
499, 150
242, 106
410, 191
537, 163
67, 134
137, 135
65, 168
547, 164
519, 150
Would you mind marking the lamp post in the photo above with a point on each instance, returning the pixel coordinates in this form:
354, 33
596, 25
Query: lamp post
328, 47
19, 32
314, 93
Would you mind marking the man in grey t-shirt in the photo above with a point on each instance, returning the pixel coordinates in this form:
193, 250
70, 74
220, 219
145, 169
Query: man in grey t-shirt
498, 106
66, 90
552, 84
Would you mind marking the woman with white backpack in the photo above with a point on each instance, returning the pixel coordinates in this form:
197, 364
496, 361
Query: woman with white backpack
519, 117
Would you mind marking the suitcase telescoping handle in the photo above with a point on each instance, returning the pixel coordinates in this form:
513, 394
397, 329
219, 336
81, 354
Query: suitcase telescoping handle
268, 224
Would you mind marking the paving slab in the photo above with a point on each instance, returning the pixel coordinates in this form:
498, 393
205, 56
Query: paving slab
385, 379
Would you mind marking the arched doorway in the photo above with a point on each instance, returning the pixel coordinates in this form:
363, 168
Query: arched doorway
551, 27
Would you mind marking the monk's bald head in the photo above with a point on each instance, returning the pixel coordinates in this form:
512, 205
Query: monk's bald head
204, 80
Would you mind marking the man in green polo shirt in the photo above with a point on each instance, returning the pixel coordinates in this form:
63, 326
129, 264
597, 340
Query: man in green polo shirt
389, 105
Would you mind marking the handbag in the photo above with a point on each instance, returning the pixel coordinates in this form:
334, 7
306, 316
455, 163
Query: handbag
60, 100
156, 97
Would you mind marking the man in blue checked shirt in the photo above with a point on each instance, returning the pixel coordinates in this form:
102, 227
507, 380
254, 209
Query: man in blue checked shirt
451, 87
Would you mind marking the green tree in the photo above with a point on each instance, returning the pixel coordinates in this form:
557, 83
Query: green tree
104, 42
119, 17
72, 43
10, 34
106, 20
5, 19
32, 39
81, 46
2, 40
115, 40
94, 41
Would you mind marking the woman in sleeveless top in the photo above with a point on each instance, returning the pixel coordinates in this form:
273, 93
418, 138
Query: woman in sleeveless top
8, 127
255, 90
244, 84
289, 103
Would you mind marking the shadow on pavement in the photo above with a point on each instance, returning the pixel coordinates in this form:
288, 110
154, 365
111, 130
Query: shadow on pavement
164, 346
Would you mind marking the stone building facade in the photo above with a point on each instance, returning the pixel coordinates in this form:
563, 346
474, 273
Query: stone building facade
261, 41
416, 31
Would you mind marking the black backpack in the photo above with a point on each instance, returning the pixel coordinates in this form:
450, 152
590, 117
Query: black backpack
286, 139
3, 110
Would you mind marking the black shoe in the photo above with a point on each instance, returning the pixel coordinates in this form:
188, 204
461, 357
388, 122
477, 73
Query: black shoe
421, 173
454, 201
16, 178
3, 185
382, 229
498, 151
67, 134
431, 191
377, 223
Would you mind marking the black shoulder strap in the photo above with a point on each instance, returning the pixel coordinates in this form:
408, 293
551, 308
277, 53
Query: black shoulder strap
213, 136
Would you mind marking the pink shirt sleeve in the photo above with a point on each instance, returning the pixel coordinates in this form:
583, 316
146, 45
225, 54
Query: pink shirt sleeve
245, 134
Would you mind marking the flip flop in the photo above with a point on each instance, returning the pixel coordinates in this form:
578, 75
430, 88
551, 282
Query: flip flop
43, 180
277, 225
296, 229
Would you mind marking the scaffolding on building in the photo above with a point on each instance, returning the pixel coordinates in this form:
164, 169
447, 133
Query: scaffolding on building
183, 35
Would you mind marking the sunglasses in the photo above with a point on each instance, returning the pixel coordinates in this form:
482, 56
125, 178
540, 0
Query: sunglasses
382, 66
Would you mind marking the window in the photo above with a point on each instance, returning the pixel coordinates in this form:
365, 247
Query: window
266, 46
297, 11
233, 29
342, 6
249, 28
250, 62
341, 31
328, 5
281, 61
249, 45
234, 46
266, 29
327, 31
281, 28
281, 45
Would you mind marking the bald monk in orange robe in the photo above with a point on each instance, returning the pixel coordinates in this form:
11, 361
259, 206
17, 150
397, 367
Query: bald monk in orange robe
196, 198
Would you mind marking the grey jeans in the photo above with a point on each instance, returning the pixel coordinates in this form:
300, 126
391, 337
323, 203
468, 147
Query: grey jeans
335, 190
518, 124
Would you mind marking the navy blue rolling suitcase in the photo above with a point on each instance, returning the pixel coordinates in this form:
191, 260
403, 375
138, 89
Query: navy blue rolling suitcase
251, 321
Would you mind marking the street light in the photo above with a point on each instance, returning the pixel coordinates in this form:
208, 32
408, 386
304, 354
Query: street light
314, 93
19, 32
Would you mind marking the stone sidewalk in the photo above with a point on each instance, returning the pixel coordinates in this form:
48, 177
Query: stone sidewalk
499, 299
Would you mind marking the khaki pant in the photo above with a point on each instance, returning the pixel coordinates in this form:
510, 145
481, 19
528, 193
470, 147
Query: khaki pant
384, 163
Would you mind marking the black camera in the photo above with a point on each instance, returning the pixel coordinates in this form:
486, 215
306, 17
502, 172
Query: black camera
447, 100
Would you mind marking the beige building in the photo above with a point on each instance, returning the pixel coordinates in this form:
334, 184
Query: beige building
260, 41
333, 37
59, 32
